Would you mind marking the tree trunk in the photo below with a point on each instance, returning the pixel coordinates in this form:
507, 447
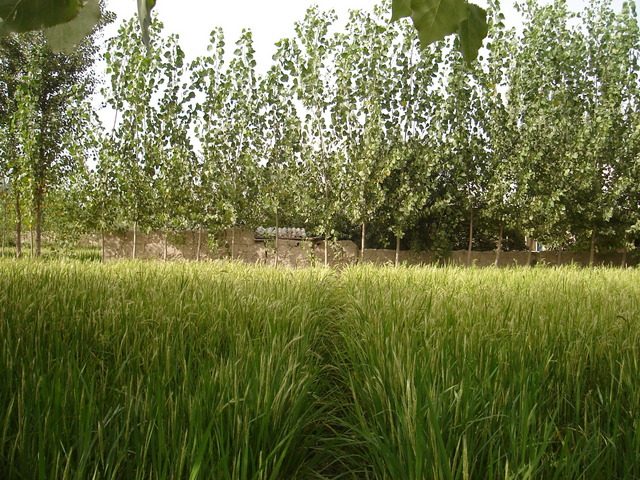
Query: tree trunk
102, 242
18, 226
362, 243
326, 251
32, 242
397, 250
38, 248
199, 244
559, 252
135, 239
470, 236
529, 251
499, 249
592, 248
277, 237
233, 242
325, 168
623, 264
166, 241
4, 214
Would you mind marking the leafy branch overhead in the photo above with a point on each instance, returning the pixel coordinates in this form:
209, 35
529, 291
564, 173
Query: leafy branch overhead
65, 22
435, 19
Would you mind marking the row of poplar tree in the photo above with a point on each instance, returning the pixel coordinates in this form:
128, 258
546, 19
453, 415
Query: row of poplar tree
353, 132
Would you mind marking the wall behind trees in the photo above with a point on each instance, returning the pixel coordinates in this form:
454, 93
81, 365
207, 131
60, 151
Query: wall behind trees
242, 245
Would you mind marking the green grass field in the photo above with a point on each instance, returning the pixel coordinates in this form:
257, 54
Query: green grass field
221, 371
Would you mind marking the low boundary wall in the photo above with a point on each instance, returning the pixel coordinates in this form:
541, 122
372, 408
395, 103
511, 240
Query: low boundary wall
231, 244
242, 245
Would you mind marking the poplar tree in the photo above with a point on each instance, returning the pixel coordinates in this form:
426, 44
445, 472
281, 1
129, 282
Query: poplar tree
364, 54
46, 89
153, 158
607, 48
280, 189
544, 93
409, 125
209, 81
310, 64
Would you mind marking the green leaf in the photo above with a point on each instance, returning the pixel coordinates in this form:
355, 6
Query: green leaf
144, 15
400, 9
66, 36
435, 19
472, 31
17, 16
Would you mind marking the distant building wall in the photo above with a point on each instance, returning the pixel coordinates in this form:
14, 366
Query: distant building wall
241, 244
381, 257
180, 246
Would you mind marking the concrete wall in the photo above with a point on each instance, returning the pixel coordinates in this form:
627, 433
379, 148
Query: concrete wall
381, 257
238, 244
242, 245
487, 259
180, 246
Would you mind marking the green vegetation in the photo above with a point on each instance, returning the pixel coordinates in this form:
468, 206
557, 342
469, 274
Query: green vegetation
218, 370
354, 134
89, 253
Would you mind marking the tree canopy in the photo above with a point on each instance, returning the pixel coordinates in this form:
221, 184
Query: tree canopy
361, 133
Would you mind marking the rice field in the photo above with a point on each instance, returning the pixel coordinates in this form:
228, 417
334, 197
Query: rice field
149, 370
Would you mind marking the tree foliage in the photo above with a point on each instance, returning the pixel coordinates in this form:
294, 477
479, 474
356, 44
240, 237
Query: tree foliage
66, 23
435, 19
362, 133
44, 109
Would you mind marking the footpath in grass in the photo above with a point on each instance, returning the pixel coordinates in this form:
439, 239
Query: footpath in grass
224, 371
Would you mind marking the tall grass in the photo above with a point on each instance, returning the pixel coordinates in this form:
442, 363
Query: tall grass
139, 370
497, 374
160, 371
86, 253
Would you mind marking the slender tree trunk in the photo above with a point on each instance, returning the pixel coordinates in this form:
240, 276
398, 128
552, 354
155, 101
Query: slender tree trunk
32, 242
233, 242
559, 252
39, 182
499, 249
18, 226
326, 251
470, 236
102, 225
326, 179
135, 239
277, 236
529, 251
199, 244
397, 262
166, 241
38, 248
592, 248
104, 193
4, 214
362, 243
